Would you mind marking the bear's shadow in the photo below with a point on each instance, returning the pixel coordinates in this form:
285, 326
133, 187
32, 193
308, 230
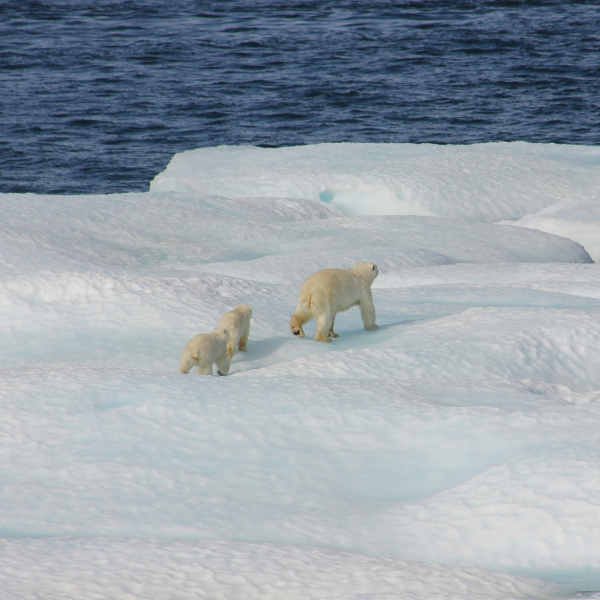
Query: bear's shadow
263, 348
259, 349
359, 338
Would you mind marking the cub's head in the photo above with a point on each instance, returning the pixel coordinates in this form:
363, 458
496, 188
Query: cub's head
222, 333
368, 270
244, 308
185, 366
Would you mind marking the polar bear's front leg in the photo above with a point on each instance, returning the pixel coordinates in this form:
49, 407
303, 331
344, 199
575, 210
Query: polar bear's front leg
332, 333
367, 312
243, 343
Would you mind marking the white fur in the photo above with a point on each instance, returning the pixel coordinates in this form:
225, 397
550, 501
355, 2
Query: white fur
330, 291
237, 322
205, 349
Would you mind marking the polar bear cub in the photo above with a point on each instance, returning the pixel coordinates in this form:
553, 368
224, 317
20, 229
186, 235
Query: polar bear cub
327, 292
205, 349
237, 322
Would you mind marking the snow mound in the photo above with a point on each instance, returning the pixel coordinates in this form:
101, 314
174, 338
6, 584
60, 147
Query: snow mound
120, 320
140, 231
180, 234
506, 504
294, 268
577, 220
481, 182
179, 569
548, 345
395, 243
580, 280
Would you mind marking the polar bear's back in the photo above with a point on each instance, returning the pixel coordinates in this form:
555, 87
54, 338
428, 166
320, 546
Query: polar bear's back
237, 318
207, 344
331, 278
337, 288
203, 342
204, 349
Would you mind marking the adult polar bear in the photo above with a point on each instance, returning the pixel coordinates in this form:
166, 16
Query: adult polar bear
327, 292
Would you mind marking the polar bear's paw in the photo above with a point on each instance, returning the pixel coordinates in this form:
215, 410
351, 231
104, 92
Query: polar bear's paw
371, 327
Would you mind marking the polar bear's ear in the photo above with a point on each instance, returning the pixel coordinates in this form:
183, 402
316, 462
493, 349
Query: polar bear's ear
195, 356
374, 267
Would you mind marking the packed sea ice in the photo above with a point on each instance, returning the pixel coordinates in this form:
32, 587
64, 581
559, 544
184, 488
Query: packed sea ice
452, 453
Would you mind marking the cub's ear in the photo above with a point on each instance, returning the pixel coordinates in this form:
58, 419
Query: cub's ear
195, 356
374, 267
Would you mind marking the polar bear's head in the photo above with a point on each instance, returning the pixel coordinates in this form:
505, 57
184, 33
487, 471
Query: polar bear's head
368, 270
222, 333
244, 308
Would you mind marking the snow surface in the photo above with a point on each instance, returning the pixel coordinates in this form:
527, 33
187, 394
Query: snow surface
578, 220
452, 453
480, 182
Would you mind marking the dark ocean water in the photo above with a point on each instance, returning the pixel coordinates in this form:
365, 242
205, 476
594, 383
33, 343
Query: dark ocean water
97, 95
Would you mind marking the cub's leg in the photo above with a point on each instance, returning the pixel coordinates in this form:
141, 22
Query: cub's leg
231, 344
367, 312
223, 366
243, 345
204, 369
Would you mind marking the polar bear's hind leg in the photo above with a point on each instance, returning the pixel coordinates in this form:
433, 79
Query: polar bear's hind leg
298, 319
324, 326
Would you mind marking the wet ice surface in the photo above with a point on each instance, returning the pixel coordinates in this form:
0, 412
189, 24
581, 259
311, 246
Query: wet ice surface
462, 435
